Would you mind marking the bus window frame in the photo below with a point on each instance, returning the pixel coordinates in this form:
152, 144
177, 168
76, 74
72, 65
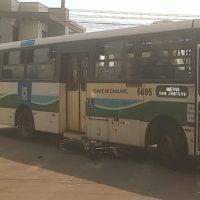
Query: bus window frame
22, 62
1, 64
128, 39
174, 46
55, 79
137, 39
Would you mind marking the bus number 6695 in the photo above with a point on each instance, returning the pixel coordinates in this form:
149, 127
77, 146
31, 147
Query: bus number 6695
144, 91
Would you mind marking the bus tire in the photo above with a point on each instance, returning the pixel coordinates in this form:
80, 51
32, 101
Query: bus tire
25, 124
172, 149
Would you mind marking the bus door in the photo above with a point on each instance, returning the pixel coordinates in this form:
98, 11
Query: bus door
76, 91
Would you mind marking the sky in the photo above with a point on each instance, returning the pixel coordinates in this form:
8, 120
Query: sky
153, 6
93, 21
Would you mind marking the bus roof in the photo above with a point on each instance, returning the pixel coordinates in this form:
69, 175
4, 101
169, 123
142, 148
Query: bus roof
153, 28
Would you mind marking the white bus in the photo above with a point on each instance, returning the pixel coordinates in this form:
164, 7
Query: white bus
137, 87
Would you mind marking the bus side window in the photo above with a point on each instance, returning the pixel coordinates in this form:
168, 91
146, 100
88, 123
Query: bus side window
6, 73
166, 58
100, 67
5, 58
115, 61
41, 55
41, 64
31, 69
13, 65
182, 63
149, 65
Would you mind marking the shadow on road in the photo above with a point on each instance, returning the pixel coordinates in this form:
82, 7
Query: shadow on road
138, 171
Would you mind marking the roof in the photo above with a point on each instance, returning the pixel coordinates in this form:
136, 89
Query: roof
42, 16
171, 26
76, 28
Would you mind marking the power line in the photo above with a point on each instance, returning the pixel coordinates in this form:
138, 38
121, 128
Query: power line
124, 18
135, 13
107, 23
104, 20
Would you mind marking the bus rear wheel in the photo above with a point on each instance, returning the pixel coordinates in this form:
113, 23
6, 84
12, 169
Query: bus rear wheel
172, 150
25, 125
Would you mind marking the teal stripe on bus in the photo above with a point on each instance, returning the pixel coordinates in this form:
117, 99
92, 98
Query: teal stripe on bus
11, 101
116, 103
53, 107
8, 101
145, 111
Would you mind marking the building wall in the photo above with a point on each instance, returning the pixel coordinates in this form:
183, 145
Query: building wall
6, 31
5, 5
56, 30
53, 21
61, 13
32, 7
15, 5
67, 31
30, 29
42, 27
9, 5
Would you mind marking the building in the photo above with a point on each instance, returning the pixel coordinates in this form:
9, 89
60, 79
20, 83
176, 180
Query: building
29, 20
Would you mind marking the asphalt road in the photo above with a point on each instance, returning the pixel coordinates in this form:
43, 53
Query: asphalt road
41, 171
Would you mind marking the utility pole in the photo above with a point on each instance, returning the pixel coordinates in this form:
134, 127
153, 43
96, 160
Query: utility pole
62, 3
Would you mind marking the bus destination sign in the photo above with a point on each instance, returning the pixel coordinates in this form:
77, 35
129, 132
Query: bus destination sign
172, 91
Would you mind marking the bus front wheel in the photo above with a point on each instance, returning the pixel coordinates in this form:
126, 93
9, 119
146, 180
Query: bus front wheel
25, 124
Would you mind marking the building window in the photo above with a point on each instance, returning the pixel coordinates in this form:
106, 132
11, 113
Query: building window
44, 34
